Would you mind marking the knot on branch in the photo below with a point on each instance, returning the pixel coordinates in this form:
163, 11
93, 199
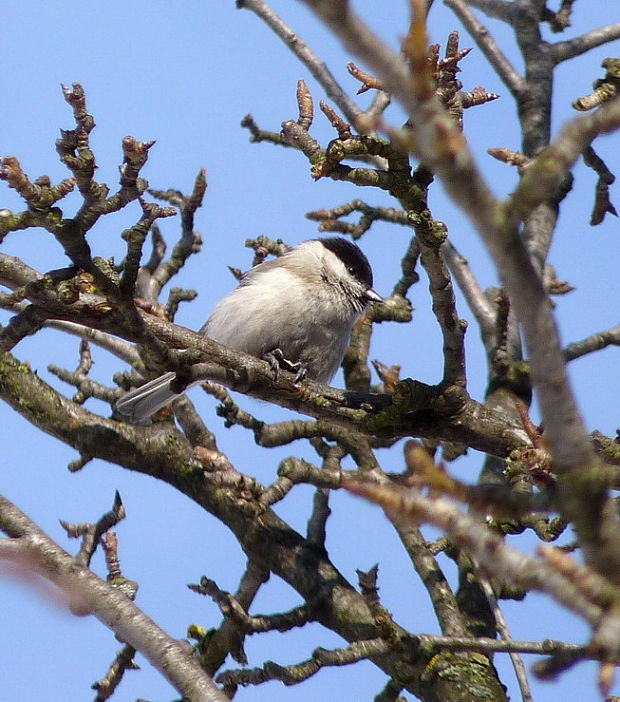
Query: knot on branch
412, 397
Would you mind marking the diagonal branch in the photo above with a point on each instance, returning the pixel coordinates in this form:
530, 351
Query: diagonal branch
304, 53
88, 594
478, 303
596, 342
164, 453
490, 552
444, 150
502, 628
565, 50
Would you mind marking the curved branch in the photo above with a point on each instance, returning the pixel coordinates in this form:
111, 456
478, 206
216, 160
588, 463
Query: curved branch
477, 301
596, 342
88, 594
431, 239
119, 348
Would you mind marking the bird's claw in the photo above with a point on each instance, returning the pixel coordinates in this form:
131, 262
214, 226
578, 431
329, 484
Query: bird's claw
301, 374
278, 361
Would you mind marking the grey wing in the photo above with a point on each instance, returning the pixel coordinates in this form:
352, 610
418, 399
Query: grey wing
246, 320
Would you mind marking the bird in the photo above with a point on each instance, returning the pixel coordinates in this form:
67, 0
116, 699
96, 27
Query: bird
296, 311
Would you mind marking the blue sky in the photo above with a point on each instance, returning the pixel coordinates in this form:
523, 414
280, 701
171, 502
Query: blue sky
185, 76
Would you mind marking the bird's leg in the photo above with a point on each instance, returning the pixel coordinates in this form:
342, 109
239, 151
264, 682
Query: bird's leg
301, 374
278, 361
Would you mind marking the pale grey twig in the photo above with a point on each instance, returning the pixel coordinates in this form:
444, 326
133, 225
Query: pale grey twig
89, 594
304, 53
565, 50
502, 628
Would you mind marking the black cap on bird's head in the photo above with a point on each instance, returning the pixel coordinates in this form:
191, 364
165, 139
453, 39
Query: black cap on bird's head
354, 261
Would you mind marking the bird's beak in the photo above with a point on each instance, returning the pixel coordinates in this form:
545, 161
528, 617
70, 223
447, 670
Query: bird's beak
372, 296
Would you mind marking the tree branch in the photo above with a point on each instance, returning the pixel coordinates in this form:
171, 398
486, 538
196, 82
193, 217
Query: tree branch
565, 50
488, 550
486, 43
596, 342
88, 594
307, 57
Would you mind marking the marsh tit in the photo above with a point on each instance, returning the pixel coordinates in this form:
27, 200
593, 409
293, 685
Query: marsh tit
296, 311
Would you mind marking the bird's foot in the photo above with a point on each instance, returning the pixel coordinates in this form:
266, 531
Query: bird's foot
278, 362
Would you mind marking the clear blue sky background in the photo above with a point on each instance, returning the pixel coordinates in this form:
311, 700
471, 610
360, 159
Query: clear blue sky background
185, 75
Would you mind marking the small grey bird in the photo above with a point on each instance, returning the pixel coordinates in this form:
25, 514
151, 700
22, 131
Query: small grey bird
296, 311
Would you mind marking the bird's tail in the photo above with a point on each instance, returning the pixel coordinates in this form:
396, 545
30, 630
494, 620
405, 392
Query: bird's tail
139, 404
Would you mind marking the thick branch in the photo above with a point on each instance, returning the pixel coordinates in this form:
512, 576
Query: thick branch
442, 412
444, 150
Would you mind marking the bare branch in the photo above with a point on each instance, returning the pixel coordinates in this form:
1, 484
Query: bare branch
90, 595
489, 551
560, 20
258, 135
408, 263
431, 235
442, 597
135, 238
228, 637
541, 180
476, 299
124, 660
295, 674
39, 195
91, 533
596, 342
486, 43
232, 609
506, 646
119, 348
189, 243
330, 219
307, 57
565, 50
602, 202
502, 627
316, 531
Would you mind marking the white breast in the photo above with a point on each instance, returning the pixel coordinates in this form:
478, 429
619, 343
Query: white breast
276, 309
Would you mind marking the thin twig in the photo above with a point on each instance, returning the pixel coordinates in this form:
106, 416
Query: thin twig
502, 627
304, 53
486, 43
596, 342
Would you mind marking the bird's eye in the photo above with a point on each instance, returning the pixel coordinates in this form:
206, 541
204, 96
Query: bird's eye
351, 270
